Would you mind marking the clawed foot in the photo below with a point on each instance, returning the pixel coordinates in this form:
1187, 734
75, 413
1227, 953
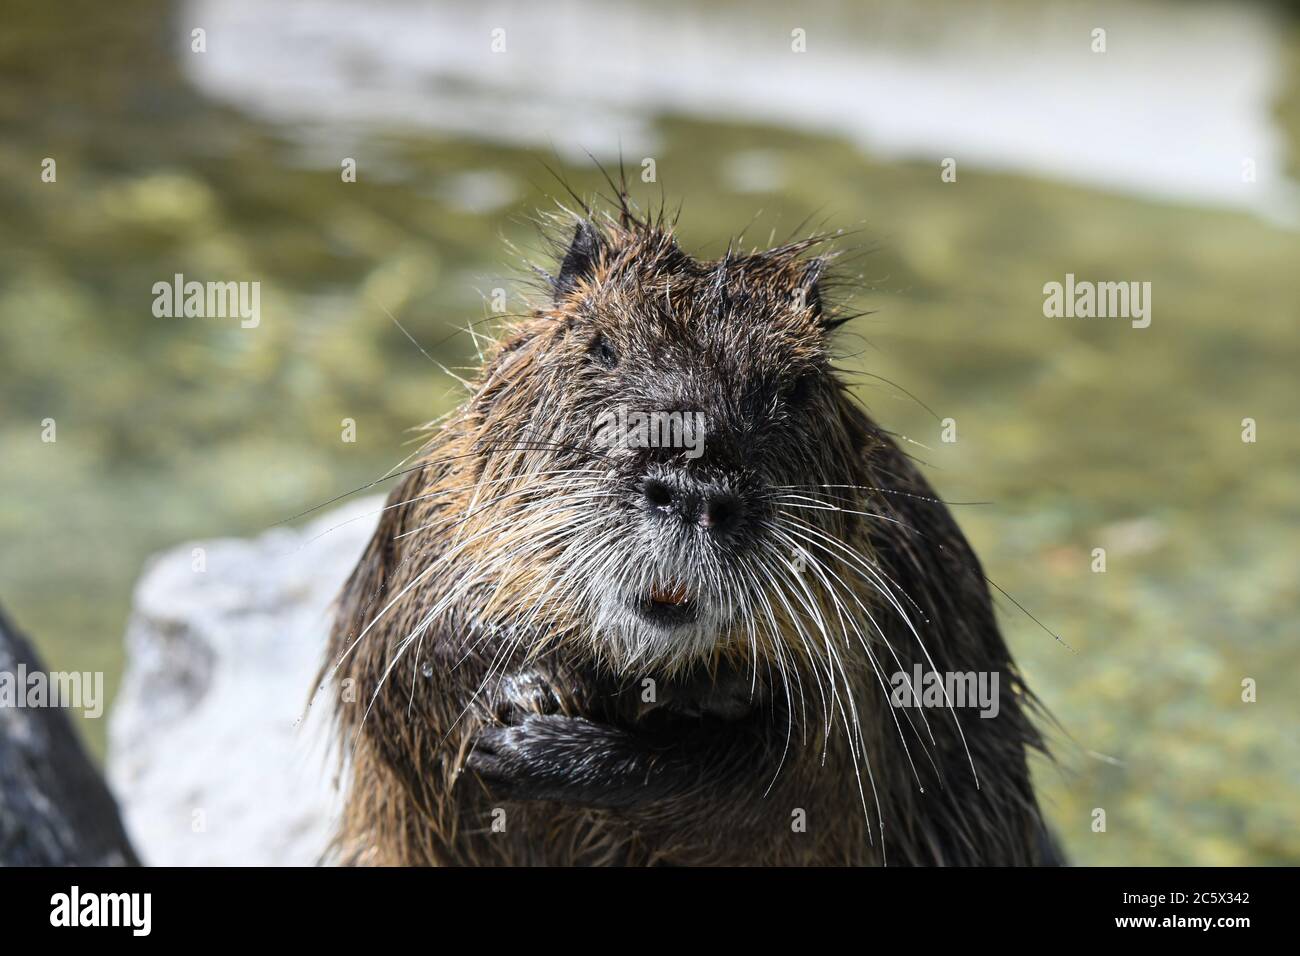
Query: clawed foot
634, 756
727, 695
566, 759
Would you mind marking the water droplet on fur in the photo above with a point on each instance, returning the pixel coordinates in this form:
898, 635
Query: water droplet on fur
426, 669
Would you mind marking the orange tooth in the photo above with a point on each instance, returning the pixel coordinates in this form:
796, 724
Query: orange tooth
672, 595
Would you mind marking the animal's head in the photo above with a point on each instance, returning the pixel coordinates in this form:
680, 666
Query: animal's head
675, 439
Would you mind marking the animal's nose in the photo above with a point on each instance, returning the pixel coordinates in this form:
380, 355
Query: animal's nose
694, 502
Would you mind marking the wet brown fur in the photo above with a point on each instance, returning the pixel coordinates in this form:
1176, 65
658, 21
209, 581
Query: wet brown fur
478, 533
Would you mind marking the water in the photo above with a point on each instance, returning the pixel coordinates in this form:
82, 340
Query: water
1007, 86
1083, 433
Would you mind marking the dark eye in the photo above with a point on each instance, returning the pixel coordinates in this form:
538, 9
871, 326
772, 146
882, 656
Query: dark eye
601, 352
803, 389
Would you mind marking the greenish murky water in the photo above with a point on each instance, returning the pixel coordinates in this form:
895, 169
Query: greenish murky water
1082, 434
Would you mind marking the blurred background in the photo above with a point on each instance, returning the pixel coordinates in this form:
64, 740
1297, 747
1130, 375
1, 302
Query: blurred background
1170, 158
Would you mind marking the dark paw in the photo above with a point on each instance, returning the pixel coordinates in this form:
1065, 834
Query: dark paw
732, 697
729, 695
525, 694
501, 761
551, 757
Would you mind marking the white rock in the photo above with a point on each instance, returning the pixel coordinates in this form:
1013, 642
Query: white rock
214, 753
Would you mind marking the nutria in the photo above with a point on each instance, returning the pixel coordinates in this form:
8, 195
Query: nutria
576, 641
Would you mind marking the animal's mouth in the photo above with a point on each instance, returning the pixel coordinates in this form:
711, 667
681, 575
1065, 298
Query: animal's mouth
667, 605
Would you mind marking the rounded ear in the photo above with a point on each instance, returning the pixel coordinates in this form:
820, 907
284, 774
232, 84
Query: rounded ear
580, 261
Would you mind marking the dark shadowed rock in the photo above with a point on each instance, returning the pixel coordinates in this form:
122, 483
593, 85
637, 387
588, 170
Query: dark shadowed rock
55, 809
